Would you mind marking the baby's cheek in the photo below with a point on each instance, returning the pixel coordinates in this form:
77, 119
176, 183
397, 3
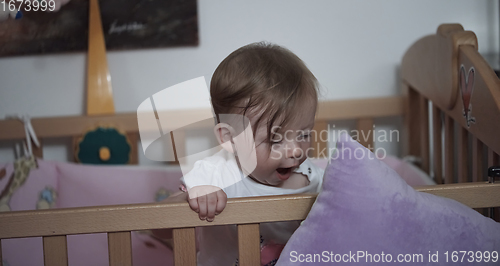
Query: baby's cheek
276, 154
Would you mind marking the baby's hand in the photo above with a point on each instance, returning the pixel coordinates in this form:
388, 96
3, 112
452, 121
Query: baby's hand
207, 201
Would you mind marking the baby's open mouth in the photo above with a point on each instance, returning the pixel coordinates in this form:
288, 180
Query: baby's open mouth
284, 173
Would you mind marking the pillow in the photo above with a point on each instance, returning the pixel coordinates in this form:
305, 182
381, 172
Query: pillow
366, 213
413, 175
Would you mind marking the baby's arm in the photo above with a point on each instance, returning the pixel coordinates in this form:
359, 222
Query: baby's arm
207, 201
207, 205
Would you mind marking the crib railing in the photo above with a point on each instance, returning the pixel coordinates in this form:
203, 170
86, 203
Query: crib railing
363, 111
247, 213
443, 97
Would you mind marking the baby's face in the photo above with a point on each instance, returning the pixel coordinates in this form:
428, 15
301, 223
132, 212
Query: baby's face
278, 157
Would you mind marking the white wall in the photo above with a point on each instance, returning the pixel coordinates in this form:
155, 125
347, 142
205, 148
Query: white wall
353, 47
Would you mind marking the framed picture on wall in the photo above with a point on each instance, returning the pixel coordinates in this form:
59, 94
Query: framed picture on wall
127, 24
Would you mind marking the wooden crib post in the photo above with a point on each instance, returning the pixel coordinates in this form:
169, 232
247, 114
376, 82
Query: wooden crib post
55, 251
120, 249
248, 244
184, 246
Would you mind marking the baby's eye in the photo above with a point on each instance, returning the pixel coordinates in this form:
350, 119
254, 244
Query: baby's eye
305, 137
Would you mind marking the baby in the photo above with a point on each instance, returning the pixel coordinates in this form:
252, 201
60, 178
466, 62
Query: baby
276, 96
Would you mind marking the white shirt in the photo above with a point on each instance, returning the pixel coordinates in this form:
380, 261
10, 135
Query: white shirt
218, 245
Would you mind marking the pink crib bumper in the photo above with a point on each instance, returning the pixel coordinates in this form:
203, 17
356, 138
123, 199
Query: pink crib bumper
64, 185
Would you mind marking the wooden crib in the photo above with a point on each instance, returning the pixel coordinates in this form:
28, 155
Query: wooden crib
430, 76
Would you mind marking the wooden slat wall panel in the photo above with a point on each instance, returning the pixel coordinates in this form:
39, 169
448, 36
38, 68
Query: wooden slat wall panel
184, 246
424, 133
448, 150
462, 151
248, 244
55, 251
437, 142
320, 147
120, 249
365, 132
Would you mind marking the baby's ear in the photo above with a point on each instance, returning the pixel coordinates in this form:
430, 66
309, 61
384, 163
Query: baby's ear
224, 134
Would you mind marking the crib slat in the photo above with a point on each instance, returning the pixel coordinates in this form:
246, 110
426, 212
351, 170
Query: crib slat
184, 246
37, 151
248, 244
179, 139
320, 140
1, 260
462, 151
477, 160
365, 132
55, 252
477, 166
133, 138
493, 158
120, 249
448, 149
412, 121
437, 140
424, 132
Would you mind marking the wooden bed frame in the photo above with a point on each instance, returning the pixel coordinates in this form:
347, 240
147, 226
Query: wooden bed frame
430, 77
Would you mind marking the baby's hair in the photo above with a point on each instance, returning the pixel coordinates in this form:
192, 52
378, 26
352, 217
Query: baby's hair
265, 79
